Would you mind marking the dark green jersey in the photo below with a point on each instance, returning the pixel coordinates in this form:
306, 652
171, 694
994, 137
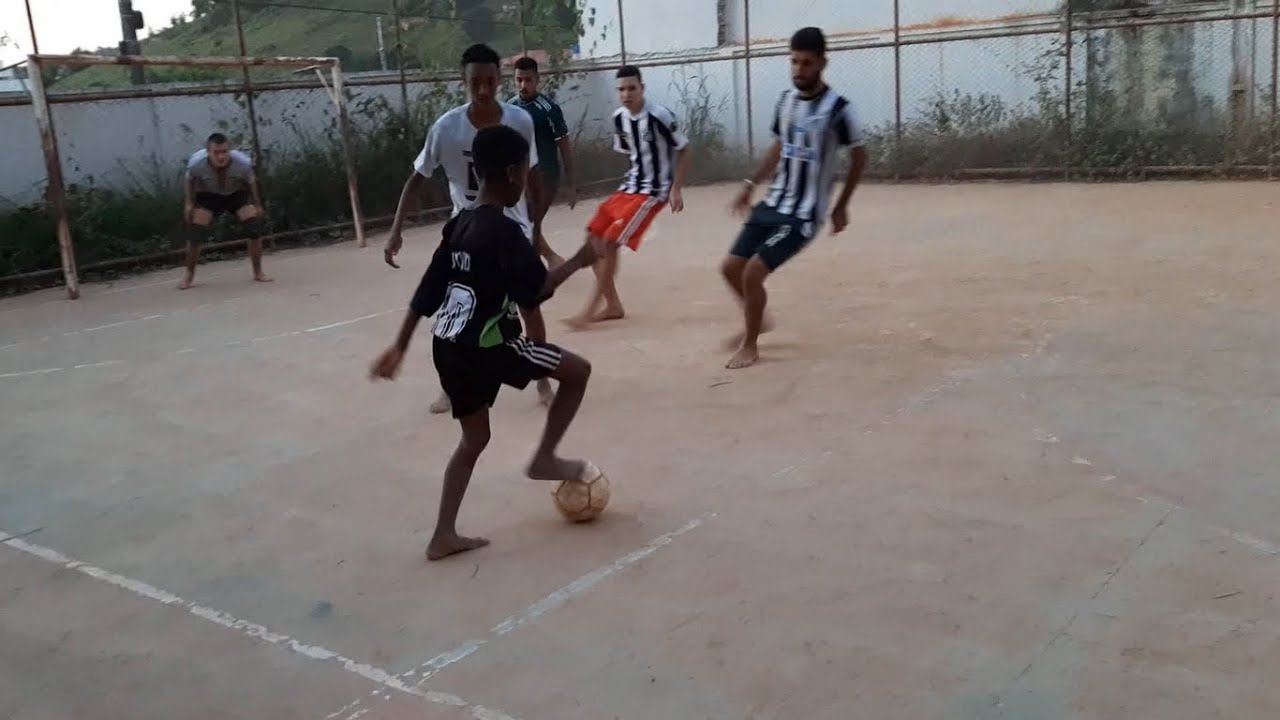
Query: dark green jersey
548, 129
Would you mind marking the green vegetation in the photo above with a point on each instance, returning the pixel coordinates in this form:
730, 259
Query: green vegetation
1135, 106
434, 33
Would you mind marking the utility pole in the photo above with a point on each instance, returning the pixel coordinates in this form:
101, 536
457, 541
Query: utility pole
130, 23
382, 46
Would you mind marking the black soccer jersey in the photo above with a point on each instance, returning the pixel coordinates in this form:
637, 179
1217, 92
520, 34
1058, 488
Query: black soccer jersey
482, 270
810, 130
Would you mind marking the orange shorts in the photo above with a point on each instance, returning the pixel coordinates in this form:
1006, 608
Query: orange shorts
624, 218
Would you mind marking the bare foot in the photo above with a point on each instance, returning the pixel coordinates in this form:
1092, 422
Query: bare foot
745, 357
186, 283
263, 277
578, 322
555, 469
545, 394
735, 341
443, 547
609, 314
441, 406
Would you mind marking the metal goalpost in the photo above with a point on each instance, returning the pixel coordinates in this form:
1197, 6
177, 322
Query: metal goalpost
328, 70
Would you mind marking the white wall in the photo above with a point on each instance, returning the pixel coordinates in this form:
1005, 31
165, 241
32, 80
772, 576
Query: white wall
651, 26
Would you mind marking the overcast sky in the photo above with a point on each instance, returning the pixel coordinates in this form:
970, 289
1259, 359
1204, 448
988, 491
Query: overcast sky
63, 25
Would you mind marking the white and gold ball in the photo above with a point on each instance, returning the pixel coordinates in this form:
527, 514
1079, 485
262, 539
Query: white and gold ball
583, 500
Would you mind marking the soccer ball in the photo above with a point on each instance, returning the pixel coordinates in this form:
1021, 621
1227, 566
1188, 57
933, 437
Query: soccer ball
583, 500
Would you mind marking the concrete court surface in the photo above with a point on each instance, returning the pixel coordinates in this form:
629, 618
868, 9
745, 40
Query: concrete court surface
1011, 453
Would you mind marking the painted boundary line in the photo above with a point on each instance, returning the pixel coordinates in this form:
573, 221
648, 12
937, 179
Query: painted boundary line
186, 350
424, 672
384, 679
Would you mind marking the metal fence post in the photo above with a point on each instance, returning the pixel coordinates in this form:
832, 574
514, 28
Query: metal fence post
348, 154
524, 36
1067, 119
404, 85
1275, 81
622, 33
746, 59
248, 87
31, 23
897, 85
56, 192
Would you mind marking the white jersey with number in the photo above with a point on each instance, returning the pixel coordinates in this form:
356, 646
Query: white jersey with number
448, 146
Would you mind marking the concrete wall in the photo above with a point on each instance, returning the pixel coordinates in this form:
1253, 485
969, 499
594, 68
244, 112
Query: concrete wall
141, 142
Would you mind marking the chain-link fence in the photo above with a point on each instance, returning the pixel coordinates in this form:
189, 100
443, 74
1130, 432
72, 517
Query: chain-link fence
976, 88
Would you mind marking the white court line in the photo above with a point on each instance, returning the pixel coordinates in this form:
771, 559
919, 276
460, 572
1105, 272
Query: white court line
531, 613
186, 350
372, 673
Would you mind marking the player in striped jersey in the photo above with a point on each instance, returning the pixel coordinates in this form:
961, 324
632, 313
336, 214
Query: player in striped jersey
649, 134
811, 124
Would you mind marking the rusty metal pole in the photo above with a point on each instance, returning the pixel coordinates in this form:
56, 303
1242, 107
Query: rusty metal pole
1066, 97
897, 70
1275, 81
746, 54
248, 86
404, 84
524, 38
31, 23
56, 192
622, 33
348, 154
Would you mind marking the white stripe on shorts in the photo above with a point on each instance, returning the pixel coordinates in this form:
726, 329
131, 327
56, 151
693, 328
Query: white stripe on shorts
538, 355
636, 220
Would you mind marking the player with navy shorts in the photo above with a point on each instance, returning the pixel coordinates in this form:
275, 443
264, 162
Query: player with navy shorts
811, 124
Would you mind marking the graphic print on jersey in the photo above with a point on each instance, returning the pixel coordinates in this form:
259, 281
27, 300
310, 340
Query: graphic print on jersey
810, 130
459, 306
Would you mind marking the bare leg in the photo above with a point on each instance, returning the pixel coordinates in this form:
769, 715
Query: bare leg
535, 327
573, 373
193, 257
608, 277
754, 300
551, 256
583, 319
733, 269
251, 218
255, 258
457, 475
197, 228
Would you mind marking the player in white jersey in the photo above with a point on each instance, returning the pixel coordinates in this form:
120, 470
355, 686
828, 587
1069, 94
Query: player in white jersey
648, 134
811, 124
448, 146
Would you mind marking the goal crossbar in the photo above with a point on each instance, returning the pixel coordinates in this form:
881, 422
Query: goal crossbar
56, 194
142, 60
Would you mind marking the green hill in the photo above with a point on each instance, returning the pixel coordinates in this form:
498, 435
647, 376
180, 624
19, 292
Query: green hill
434, 33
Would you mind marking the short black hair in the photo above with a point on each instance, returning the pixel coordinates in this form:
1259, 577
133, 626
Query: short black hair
482, 54
528, 64
810, 39
497, 148
627, 71
217, 139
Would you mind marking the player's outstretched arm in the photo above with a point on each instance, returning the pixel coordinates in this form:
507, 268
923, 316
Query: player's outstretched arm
683, 158
426, 301
396, 240
857, 165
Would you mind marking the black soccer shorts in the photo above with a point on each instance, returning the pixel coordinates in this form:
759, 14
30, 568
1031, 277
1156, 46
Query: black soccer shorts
471, 376
773, 236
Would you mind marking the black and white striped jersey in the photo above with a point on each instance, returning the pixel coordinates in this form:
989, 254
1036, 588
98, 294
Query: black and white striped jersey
651, 139
810, 131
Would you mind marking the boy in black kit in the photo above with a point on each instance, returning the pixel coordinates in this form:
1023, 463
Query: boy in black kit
483, 269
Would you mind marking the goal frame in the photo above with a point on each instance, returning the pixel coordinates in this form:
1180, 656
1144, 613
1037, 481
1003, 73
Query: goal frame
56, 194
